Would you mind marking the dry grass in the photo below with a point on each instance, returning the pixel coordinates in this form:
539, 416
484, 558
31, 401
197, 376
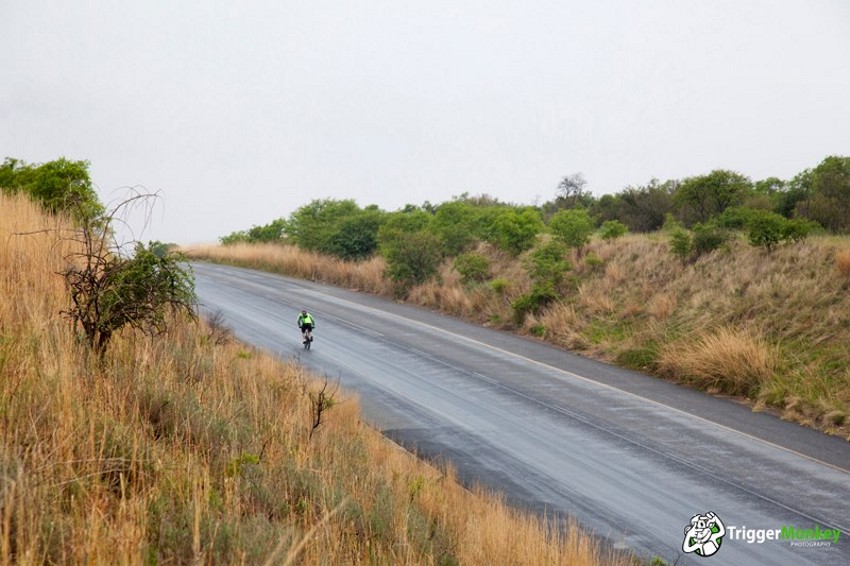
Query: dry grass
728, 360
190, 449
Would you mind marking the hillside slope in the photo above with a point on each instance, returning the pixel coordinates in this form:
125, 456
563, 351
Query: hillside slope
189, 447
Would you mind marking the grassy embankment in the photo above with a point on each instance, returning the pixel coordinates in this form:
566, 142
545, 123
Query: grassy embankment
773, 329
192, 448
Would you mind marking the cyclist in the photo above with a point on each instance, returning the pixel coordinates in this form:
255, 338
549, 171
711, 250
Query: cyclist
306, 322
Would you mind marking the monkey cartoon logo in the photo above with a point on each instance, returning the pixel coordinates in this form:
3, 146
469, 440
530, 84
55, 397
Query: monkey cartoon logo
704, 534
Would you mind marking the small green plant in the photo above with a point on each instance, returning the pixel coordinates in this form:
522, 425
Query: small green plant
417, 484
500, 285
594, 262
540, 296
237, 465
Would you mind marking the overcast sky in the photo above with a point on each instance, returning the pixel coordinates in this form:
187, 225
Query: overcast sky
237, 113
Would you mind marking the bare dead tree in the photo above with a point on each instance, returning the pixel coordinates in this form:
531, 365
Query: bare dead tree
320, 402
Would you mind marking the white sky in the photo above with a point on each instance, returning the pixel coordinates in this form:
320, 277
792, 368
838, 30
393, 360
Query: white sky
240, 112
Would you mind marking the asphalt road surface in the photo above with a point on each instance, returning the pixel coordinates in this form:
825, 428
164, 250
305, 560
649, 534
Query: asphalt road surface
632, 458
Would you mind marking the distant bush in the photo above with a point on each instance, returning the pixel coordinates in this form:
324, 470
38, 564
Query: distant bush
515, 231
547, 263
612, 229
472, 267
412, 257
768, 229
707, 238
681, 244
798, 229
572, 227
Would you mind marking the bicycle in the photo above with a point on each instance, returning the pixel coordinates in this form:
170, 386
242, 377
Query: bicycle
308, 338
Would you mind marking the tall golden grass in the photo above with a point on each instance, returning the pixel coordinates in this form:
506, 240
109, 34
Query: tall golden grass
181, 449
630, 300
728, 360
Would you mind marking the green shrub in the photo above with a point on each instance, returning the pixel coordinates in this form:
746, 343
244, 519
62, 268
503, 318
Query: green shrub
681, 244
707, 238
515, 231
769, 229
572, 227
540, 296
472, 267
547, 263
736, 217
766, 229
612, 229
412, 257
500, 285
798, 229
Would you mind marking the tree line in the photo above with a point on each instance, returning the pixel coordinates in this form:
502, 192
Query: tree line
700, 211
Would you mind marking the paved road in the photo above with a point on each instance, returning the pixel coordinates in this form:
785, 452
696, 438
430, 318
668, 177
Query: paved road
631, 457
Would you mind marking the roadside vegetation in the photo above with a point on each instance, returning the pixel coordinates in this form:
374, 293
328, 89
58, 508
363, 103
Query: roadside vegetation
729, 285
168, 442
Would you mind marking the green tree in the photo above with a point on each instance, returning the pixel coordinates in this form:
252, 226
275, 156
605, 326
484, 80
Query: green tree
572, 227
335, 227
239, 237
793, 199
515, 230
271, 232
313, 226
766, 229
356, 236
681, 244
412, 257
642, 209
456, 223
829, 202
700, 198
59, 185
